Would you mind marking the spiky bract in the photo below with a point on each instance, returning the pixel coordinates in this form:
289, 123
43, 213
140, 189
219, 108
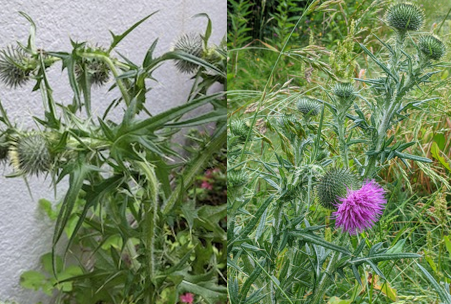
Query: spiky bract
236, 179
96, 69
191, 44
239, 128
335, 184
308, 106
30, 154
15, 66
432, 47
405, 17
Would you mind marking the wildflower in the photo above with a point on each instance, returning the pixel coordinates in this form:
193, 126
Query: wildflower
187, 298
361, 208
206, 185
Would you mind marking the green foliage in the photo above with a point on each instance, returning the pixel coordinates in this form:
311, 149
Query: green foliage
282, 246
137, 229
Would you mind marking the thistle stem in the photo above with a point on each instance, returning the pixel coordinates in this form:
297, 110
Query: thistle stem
321, 288
342, 140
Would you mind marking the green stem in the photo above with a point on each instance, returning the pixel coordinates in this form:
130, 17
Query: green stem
321, 288
342, 141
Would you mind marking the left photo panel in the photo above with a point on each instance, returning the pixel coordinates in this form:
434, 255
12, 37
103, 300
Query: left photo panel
113, 152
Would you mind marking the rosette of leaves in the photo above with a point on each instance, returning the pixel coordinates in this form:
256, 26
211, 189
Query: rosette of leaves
94, 68
30, 155
431, 47
308, 106
191, 44
335, 184
16, 66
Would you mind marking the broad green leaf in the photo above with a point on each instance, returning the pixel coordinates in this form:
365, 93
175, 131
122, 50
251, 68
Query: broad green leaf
435, 151
32, 279
447, 244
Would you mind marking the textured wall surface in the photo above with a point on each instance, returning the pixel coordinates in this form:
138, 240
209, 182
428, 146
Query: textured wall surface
25, 233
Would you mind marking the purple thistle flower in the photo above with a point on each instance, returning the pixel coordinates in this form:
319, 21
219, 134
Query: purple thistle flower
361, 208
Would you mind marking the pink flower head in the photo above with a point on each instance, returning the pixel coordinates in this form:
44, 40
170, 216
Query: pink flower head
187, 298
361, 208
206, 185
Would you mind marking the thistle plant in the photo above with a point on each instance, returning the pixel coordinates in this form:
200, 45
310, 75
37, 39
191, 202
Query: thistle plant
143, 240
276, 253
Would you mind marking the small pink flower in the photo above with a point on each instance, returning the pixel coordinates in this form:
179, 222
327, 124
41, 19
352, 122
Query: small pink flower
361, 208
206, 185
187, 298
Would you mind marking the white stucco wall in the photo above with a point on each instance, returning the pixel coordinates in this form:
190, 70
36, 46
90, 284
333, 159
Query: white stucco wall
25, 234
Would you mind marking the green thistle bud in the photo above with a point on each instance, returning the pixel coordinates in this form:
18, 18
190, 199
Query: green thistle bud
236, 179
191, 44
308, 106
333, 185
97, 70
405, 17
15, 66
432, 47
240, 128
344, 91
30, 154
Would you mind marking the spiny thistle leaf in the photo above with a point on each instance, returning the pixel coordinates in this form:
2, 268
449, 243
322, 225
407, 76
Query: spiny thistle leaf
191, 44
432, 47
405, 16
30, 154
335, 184
14, 66
308, 106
